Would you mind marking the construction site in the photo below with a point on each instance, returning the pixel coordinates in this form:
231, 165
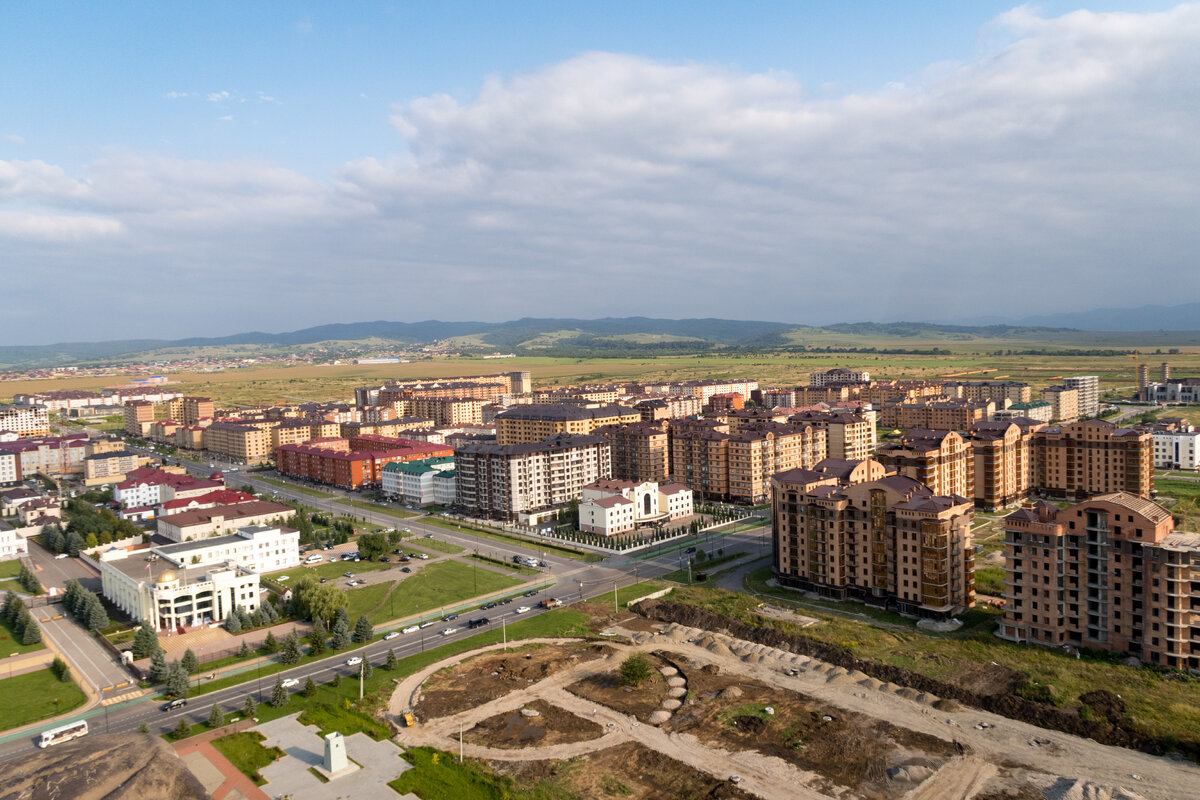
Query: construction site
722, 717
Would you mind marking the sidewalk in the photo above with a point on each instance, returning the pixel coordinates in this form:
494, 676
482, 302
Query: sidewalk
220, 778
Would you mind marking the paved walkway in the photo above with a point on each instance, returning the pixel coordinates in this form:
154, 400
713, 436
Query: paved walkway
220, 778
197, 640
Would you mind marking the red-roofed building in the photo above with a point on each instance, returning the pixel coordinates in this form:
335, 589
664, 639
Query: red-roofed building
220, 497
352, 464
148, 486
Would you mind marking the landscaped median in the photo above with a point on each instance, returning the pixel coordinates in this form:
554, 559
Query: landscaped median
518, 541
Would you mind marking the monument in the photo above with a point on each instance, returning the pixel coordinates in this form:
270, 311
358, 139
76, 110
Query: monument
336, 762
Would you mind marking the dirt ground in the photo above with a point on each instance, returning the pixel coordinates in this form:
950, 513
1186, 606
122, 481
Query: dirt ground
605, 689
495, 674
847, 749
627, 770
552, 725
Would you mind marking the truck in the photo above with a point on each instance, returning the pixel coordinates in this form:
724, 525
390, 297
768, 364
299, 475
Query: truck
406, 717
550, 602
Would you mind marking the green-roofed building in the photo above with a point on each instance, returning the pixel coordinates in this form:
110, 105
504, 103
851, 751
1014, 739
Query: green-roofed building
420, 483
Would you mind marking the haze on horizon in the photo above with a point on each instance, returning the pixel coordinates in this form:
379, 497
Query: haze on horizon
176, 171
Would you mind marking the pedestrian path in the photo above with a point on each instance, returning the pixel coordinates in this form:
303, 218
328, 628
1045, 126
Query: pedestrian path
121, 698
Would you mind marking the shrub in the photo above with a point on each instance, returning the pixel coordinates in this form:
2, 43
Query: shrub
635, 669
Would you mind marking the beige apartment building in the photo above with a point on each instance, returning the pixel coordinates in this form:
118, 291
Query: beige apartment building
1003, 461
1109, 573
641, 451
700, 456
937, 415
939, 459
1087, 389
996, 391
1092, 457
889, 542
248, 443
448, 410
1064, 403
197, 408
139, 416
300, 431
847, 436
107, 466
758, 451
534, 423
25, 420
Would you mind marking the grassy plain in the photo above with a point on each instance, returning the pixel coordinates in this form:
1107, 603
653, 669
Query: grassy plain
36, 695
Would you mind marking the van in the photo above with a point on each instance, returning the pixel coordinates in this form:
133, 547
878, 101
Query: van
478, 622
314, 558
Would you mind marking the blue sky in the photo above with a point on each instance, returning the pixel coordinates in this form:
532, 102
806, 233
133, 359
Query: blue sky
357, 156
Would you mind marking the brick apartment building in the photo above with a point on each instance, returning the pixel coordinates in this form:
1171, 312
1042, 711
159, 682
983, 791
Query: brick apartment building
889, 542
535, 423
352, 464
940, 459
641, 451
1110, 573
848, 436
1002, 454
1092, 457
1064, 403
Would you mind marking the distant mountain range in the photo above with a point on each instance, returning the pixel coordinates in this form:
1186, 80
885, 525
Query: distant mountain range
610, 335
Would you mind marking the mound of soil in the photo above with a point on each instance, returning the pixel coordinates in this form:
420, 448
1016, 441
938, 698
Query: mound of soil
105, 767
627, 770
552, 725
605, 689
497, 673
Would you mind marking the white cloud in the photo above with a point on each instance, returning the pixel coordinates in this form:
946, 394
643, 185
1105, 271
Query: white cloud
15, 138
1049, 172
175, 95
55, 228
226, 118
218, 97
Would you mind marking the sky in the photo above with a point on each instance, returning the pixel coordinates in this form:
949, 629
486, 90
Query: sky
180, 169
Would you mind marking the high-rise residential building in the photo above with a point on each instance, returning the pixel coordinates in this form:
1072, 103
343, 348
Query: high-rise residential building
1177, 449
939, 459
1064, 403
847, 436
1002, 455
1166, 372
534, 423
139, 416
1087, 388
700, 456
25, 420
889, 542
531, 481
1109, 573
248, 443
838, 375
641, 451
758, 451
937, 415
1092, 457
197, 408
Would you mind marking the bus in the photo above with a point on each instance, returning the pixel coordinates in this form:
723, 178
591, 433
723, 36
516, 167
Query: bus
63, 733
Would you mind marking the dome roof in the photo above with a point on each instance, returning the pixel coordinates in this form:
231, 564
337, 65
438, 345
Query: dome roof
166, 577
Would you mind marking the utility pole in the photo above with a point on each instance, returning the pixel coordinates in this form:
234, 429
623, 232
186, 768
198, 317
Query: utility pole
362, 672
614, 595
504, 628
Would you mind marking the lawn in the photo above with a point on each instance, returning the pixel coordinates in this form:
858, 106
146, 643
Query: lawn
444, 584
436, 773
10, 568
12, 646
1186, 509
1158, 704
435, 544
364, 599
707, 565
295, 487
391, 511
246, 752
34, 696
990, 581
329, 569
557, 549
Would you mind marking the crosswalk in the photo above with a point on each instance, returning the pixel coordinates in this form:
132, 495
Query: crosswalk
121, 698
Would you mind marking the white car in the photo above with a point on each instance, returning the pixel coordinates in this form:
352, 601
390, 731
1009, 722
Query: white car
422, 556
389, 636
353, 661
62, 555
282, 578
449, 631
522, 609
411, 629
290, 683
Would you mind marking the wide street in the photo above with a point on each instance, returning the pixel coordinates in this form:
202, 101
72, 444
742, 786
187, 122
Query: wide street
574, 581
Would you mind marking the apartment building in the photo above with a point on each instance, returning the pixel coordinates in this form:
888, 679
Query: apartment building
25, 420
1092, 457
242, 443
940, 459
756, 452
1176, 449
390, 427
1109, 573
707, 388
774, 398
614, 507
1037, 410
996, 391
847, 436
700, 456
528, 481
52, 456
139, 416
10, 468
534, 423
884, 393
674, 406
937, 415
148, 486
299, 431
352, 464
747, 417
1002, 452
1064, 403
889, 542
197, 408
730, 401
448, 410
197, 524
108, 467
838, 375
605, 393
641, 451
417, 482
1087, 389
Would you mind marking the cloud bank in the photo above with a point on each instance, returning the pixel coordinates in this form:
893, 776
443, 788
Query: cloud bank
1057, 171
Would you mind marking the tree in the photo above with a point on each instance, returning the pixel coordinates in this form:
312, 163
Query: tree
10, 602
367, 669
391, 664
310, 688
372, 545
90, 541
159, 671
97, 617
233, 623
182, 730
279, 695
635, 669
317, 637
244, 650
75, 543
145, 643
32, 633
363, 630
270, 644
190, 662
289, 653
52, 537
249, 707
313, 600
340, 638
215, 718
29, 581
342, 615
177, 680
60, 669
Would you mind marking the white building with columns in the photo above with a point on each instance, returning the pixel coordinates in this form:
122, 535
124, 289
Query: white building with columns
611, 507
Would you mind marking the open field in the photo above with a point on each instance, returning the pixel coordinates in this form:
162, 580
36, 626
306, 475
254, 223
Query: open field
981, 358
391, 511
36, 695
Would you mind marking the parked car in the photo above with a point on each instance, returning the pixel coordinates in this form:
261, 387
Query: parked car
423, 556
353, 661
291, 683
348, 574
387, 637
406, 569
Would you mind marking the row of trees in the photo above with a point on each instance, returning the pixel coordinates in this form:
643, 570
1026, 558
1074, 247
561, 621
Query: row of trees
240, 620
83, 519
17, 617
29, 581
85, 606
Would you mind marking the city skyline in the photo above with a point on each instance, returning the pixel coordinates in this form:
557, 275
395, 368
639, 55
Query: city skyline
235, 170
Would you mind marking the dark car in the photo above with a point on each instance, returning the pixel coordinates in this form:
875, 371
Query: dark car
404, 559
530, 593
178, 702
406, 569
449, 617
478, 622
690, 550
486, 606
384, 558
